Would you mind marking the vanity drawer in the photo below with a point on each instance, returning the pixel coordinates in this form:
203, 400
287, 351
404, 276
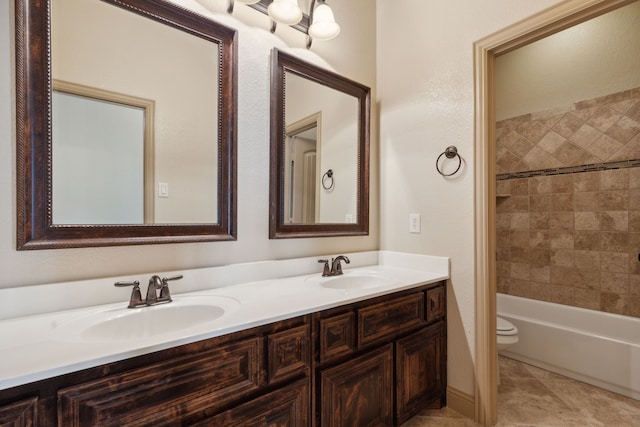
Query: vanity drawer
287, 406
165, 391
386, 319
337, 336
436, 303
288, 353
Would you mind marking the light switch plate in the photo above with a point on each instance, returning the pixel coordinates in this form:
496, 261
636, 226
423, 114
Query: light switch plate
414, 223
163, 189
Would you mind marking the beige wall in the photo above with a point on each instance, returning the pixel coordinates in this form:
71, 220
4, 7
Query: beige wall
351, 54
426, 103
593, 59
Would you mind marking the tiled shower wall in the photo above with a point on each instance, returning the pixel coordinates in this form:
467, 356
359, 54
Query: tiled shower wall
604, 129
567, 233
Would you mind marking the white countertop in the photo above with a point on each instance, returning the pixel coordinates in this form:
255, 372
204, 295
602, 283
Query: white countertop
45, 345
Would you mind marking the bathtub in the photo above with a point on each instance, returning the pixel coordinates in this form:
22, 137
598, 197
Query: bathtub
598, 348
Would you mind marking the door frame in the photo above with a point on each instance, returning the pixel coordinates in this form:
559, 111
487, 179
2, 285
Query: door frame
549, 21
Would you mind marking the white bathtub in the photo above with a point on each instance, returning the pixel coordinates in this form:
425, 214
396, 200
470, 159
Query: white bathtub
598, 348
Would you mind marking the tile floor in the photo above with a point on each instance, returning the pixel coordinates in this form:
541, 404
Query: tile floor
529, 396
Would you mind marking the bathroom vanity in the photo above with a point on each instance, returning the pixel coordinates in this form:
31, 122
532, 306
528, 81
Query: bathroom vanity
380, 361
373, 360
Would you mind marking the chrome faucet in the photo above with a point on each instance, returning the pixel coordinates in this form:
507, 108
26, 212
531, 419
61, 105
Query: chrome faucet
336, 267
155, 284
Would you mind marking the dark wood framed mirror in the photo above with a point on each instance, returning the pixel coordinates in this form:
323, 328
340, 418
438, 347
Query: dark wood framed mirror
319, 175
141, 54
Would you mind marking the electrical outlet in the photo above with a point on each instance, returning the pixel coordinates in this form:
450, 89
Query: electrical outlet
414, 223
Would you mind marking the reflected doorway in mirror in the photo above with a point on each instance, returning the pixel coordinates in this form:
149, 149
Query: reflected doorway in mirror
100, 139
302, 159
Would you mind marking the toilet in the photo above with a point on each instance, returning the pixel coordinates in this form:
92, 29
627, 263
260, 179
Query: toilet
507, 333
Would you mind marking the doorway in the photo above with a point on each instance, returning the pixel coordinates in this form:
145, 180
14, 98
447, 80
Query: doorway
538, 26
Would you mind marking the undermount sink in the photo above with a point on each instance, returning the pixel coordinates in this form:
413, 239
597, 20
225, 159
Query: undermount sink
354, 280
121, 324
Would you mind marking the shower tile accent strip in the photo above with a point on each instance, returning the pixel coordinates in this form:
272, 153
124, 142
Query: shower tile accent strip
571, 169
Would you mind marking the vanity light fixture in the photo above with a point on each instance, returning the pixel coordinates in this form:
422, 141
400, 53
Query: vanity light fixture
285, 12
318, 24
232, 3
323, 24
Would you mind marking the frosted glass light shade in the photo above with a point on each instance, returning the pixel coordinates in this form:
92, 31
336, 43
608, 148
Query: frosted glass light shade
248, 1
285, 12
324, 26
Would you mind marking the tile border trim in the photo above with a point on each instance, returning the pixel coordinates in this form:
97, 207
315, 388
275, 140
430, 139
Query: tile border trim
570, 169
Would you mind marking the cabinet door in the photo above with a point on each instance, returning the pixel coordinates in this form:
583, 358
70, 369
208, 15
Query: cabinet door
285, 407
288, 354
336, 336
22, 413
359, 393
420, 370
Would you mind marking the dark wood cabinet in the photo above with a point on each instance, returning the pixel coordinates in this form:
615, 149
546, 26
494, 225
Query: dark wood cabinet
420, 371
359, 392
377, 322
436, 303
286, 407
375, 362
21, 413
259, 376
288, 354
166, 391
395, 366
336, 336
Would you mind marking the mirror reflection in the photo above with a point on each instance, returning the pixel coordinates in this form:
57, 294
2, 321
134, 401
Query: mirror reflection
300, 166
330, 144
319, 151
125, 124
99, 146
106, 48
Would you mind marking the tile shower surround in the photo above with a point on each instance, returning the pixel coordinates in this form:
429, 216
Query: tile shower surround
568, 206
605, 129
571, 239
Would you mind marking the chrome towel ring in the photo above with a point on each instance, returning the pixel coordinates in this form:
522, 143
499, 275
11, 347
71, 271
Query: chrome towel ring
450, 152
328, 177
